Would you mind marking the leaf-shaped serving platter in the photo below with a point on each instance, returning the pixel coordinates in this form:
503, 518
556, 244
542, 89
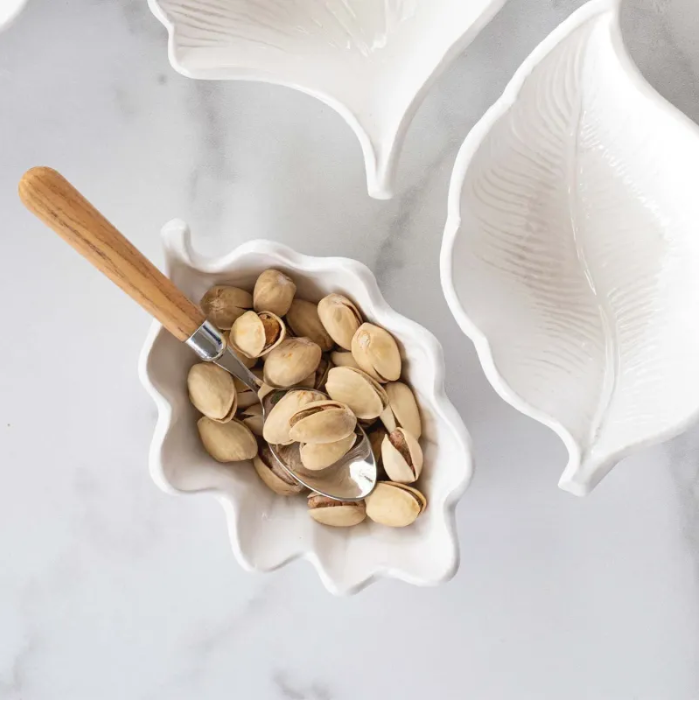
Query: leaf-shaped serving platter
571, 250
9, 11
370, 60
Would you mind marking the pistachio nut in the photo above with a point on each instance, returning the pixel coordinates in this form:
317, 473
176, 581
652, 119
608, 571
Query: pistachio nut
402, 456
331, 512
366, 397
273, 292
273, 475
212, 391
318, 456
223, 304
309, 381
404, 406
257, 333
229, 442
303, 320
376, 437
395, 505
252, 418
324, 367
248, 362
340, 318
323, 421
276, 427
376, 352
291, 361
246, 396
343, 359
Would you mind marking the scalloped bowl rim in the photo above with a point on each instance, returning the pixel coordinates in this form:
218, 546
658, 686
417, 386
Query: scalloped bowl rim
466, 153
380, 171
444, 409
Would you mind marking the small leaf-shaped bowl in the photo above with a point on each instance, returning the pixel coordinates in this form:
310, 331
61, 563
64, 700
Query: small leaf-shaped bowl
372, 61
571, 250
268, 531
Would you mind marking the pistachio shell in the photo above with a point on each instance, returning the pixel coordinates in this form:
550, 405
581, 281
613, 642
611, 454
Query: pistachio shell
257, 333
404, 407
376, 352
402, 456
324, 367
273, 292
343, 359
361, 393
248, 362
246, 396
291, 362
340, 514
223, 304
227, 442
274, 476
212, 391
252, 418
318, 456
395, 505
323, 421
376, 437
340, 318
276, 428
303, 320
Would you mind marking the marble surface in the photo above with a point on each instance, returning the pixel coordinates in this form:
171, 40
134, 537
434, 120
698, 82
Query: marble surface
109, 588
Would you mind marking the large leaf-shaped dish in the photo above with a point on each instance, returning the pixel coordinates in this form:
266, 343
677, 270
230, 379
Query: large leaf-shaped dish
571, 253
371, 60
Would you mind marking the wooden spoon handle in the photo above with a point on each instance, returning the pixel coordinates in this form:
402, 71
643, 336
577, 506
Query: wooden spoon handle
58, 204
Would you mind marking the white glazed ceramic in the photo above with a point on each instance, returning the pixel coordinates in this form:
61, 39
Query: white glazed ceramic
9, 11
370, 60
571, 251
268, 531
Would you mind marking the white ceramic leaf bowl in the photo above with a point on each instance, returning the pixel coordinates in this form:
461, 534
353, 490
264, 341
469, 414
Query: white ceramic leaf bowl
571, 250
268, 531
10, 11
370, 60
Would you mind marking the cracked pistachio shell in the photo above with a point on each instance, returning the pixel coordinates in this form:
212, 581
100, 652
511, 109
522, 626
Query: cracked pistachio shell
318, 456
252, 418
223, 304
273, 292
340, 514
303, 320
246, 396
229, 442
291, 362
274, 476
212, 391
343, 359
376, 352
324, 421
362, 394
395, 505
248, 362
340, 318
404, 407
276, 427
401, 456
257, 333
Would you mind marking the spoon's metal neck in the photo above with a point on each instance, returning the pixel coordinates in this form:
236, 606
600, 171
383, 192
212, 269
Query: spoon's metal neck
209, 344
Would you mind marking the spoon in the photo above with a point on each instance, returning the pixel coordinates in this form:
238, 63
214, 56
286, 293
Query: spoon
49, 196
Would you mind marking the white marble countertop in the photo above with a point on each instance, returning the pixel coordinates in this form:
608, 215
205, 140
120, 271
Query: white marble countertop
110, 588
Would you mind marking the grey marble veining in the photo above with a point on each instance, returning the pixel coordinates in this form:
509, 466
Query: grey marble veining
109, 588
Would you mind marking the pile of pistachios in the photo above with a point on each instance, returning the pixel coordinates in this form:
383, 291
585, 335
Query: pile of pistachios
347, 371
